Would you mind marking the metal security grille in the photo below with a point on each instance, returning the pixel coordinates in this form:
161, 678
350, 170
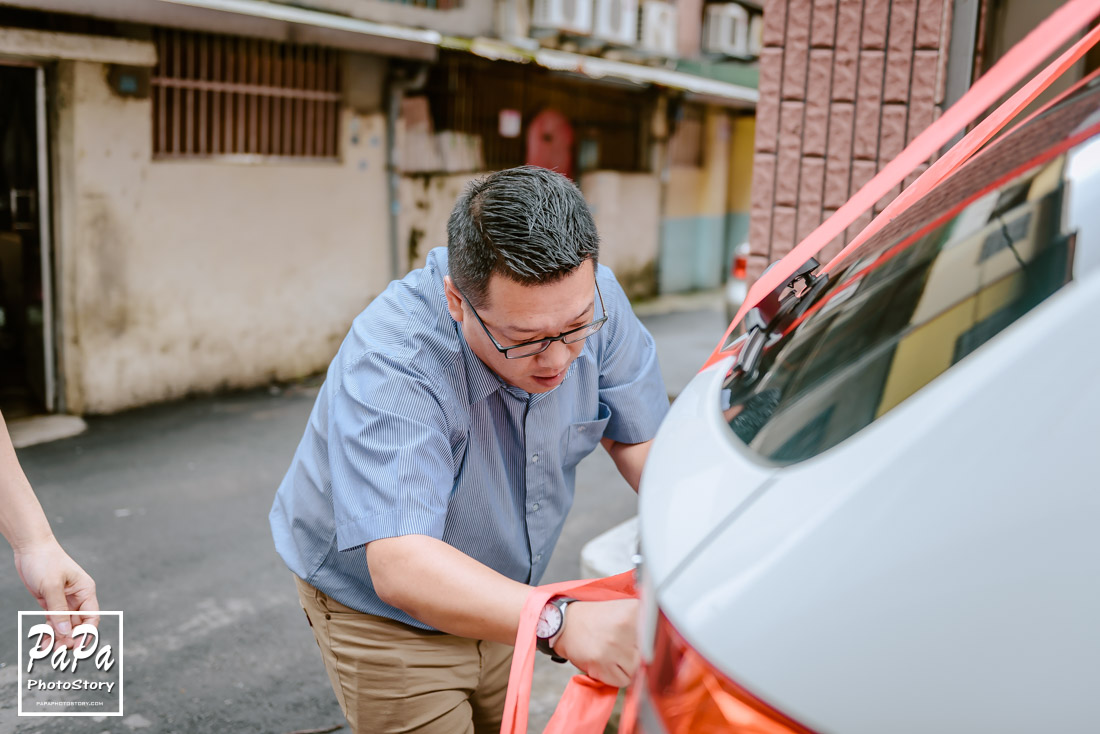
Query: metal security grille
230, 96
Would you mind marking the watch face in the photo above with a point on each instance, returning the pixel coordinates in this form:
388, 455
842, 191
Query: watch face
549, 622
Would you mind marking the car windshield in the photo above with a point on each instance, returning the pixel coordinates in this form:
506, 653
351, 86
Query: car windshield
949, 273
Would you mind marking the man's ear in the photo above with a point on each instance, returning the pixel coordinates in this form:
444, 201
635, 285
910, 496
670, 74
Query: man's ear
454, 299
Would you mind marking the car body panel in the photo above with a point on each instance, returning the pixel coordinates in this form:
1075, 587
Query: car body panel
675, 496
865, 592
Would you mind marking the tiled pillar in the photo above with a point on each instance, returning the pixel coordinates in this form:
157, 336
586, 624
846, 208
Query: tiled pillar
844, 86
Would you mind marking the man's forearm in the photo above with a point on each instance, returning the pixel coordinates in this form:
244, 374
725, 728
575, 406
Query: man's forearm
629, 458
445, 588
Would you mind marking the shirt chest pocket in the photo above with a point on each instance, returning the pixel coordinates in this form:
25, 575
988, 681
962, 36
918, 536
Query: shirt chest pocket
581, 438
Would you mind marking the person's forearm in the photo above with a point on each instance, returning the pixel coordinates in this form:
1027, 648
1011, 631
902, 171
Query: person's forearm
443, 587
22, 521
629, 458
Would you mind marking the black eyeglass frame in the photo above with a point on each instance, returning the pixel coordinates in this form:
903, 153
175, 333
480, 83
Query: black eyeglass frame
547, 341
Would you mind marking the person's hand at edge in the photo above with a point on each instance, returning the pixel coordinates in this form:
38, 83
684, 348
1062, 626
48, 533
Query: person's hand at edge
54, 579
57, 583
600, 638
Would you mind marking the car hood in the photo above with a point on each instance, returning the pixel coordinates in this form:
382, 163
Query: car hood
697, 477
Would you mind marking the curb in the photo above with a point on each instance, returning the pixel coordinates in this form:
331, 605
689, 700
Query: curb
44, 428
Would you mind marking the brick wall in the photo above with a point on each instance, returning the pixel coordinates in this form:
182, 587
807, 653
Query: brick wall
844, 86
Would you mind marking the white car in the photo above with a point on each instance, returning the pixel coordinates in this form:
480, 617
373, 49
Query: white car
881, 513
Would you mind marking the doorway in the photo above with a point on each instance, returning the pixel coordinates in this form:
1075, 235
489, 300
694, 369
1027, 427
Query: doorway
26, 354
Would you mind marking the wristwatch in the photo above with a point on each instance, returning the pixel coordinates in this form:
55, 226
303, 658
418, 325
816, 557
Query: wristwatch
550, 626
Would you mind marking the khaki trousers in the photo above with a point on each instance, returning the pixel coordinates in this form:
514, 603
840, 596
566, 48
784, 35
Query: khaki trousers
392, 677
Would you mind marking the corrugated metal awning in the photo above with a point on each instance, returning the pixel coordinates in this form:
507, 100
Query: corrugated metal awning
303, 25
257, 18
703, 88
305, 16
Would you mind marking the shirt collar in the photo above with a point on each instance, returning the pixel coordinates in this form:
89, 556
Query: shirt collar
482, 381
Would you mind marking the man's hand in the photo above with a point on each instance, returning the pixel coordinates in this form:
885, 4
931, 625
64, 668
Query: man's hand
57, 582
600, 638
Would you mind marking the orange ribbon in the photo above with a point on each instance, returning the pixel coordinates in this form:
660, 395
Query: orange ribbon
586, 705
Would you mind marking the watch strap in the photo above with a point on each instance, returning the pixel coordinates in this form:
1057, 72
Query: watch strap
543, 645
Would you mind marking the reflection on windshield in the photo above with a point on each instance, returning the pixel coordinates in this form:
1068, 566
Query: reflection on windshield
897, 318
1082, 173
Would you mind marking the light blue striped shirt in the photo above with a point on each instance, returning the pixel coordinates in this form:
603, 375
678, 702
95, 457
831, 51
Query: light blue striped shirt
412, 434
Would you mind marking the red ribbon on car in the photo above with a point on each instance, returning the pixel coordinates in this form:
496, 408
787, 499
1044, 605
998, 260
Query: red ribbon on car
1043, 41
586, 705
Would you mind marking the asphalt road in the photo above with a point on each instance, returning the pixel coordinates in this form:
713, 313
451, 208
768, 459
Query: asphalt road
167, 508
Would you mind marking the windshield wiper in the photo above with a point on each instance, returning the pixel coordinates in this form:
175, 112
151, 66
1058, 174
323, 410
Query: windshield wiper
788, 301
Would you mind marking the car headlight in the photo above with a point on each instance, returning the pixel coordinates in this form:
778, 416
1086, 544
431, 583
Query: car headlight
689, 695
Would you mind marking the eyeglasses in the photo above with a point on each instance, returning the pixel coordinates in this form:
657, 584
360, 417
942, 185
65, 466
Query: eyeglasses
530, 349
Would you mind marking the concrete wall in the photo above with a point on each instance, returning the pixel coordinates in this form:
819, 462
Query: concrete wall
183, 276
626, 207
693, 230
426, 202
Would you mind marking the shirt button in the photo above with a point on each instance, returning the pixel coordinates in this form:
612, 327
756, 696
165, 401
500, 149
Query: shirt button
535, 506
580, 429
538, 558
535, 458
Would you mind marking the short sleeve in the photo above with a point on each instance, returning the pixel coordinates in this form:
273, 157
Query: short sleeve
389, 453
630, 377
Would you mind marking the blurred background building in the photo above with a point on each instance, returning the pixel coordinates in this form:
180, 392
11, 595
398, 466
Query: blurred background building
199, 194
202, 194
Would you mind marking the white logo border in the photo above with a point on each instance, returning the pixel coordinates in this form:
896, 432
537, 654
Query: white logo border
19, 695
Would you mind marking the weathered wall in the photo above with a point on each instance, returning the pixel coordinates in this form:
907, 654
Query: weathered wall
626, 207
693, 230
184, 276
426, 202
844, 86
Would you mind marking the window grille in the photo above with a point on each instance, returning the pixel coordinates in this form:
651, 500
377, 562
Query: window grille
219, 95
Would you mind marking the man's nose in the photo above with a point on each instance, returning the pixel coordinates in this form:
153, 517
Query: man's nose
556, 356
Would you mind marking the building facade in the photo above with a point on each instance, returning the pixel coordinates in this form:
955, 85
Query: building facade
203, 195
845, 85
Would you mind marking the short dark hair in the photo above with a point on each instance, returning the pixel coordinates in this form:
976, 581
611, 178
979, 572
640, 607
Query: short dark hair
528, 223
